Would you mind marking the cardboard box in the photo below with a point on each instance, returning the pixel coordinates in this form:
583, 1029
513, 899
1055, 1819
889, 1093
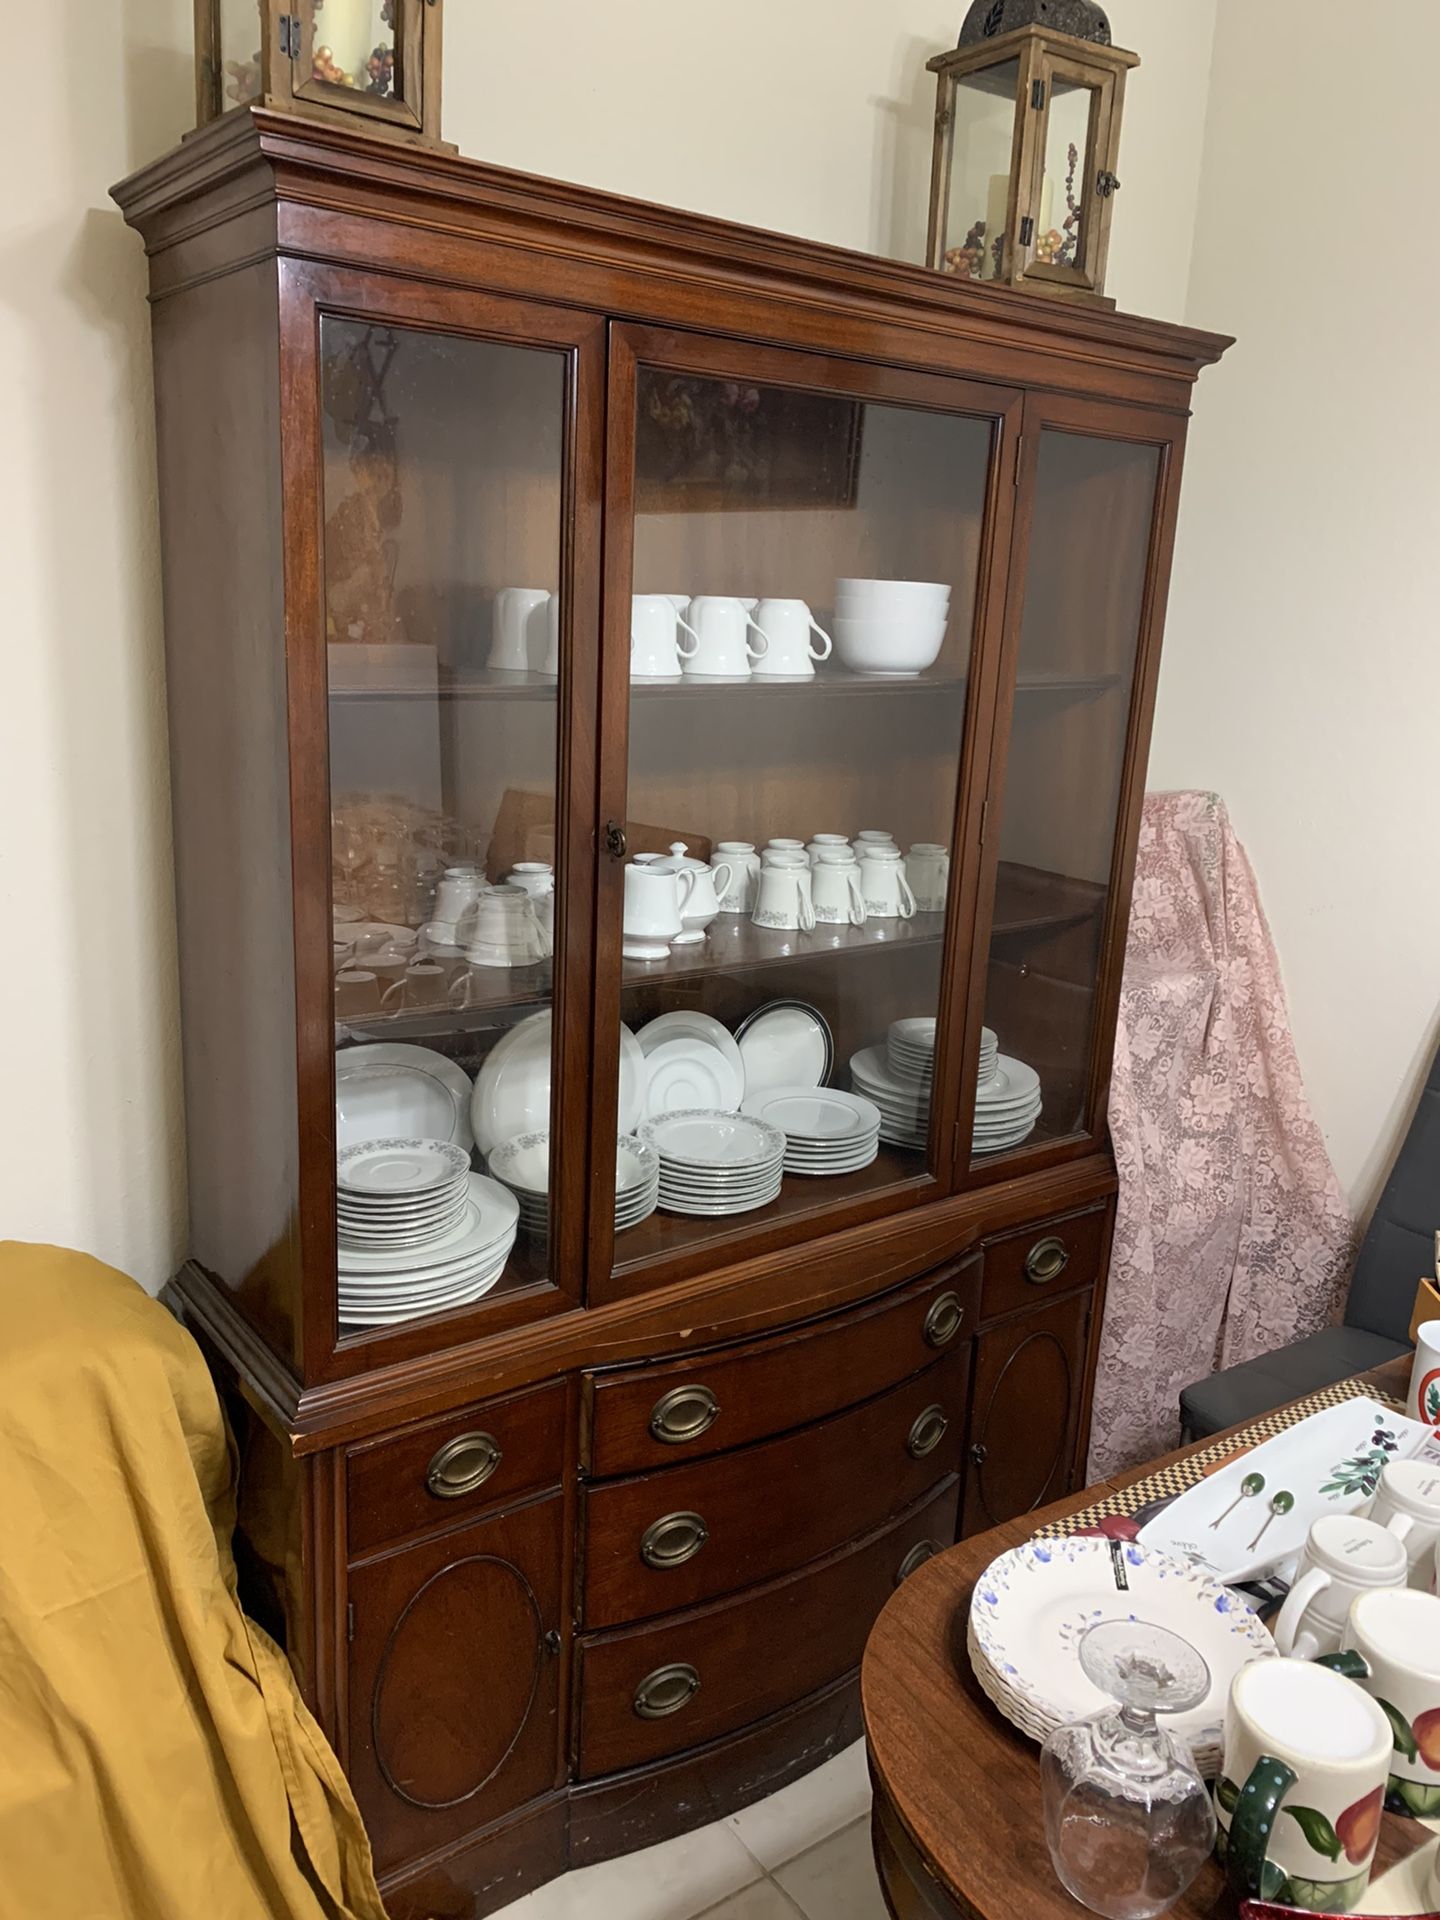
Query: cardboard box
1427, 1306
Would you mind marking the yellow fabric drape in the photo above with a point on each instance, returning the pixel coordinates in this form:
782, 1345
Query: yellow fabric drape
156, 1760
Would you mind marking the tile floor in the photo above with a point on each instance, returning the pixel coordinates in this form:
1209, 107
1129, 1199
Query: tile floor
803, 1854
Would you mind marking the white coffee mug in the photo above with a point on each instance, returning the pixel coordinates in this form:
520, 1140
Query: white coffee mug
1424, 1401
927, 868
457, 893
656, 648
836, 890
1344, 1557
1407, 1503
1302, 1785
744, 864
516, 637
783, 845
1392, 1649
783, 897
723, 648
788, 625
883, 882
872, 837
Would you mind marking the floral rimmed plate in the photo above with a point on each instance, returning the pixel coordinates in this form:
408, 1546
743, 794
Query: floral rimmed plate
1031, 1606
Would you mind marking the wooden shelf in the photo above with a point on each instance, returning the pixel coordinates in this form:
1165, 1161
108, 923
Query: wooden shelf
828, 683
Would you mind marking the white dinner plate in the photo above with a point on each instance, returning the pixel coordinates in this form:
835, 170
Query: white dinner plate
785, 1044
512, 1091
701, 1210
688, 1073
405, 1292
1012, 1080
689, 1025
1031, 1606
397, 1165
357, 1315
814, 1113
389, 1089
704, 1140
492, 1212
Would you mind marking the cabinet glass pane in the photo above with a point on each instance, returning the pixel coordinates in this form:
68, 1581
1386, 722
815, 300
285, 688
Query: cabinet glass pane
1059, 241
240, 37
1089, 545
981, 141
443, 465
355, 45
756, 508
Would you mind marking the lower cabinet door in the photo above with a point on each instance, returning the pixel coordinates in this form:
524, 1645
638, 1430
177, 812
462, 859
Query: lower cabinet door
1029, 1384
454, 1675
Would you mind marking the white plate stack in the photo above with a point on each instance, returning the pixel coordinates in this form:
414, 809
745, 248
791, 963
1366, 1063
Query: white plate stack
903, 1098
417, 1232
1007, 1105
715, 1163
826, 1132
523, 1166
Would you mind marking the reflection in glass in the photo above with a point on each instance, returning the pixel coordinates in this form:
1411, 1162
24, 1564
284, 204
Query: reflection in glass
355, 45
805, 572
240, 34
1059, 240
443, 462
980, 155
1089, 547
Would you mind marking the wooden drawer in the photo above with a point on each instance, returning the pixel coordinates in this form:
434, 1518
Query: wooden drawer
671, 1540
656, 1690
1057, 1256
657, 1416
483, 1454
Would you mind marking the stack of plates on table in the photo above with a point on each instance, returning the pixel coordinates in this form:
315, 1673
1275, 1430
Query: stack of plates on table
903, 1101
523, 1166
1032, 1605
418, 1233
825, 1131
690, 1061
715, 1163
1007, 1105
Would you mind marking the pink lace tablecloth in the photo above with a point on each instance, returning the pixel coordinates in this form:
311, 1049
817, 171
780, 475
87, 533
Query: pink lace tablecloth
1233, 1237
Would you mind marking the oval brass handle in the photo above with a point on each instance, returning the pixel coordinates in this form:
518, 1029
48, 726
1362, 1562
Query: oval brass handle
462, 1465
683, 1414
928, 1431
942, 1322
922, 1551
672, 1541
1046, 1261
666, 1691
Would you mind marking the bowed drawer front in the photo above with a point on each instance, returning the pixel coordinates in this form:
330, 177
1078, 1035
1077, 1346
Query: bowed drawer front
655, 1690
665, 1541
1025, 1269
661, 1416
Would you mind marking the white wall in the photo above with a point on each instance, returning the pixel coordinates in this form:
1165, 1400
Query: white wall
804, 116
1301, 675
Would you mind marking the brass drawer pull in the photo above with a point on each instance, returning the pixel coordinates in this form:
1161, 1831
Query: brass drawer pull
942, 1322
1046, 1261
672, 1541
929, 1430
666, 1691
683, 1414
462, 1465
922, 1551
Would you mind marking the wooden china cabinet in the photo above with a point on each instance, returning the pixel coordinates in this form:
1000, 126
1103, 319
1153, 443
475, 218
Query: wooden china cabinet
589, 1560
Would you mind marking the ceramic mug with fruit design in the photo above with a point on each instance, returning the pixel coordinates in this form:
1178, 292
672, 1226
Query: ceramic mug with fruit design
1307, 1759
1392, 1648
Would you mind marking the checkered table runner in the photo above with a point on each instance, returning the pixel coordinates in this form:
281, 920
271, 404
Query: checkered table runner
1190, 1471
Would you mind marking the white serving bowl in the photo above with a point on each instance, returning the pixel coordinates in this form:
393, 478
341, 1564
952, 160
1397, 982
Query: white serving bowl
889, 646
911, 594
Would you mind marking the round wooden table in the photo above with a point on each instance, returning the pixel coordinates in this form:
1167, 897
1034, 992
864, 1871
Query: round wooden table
957, 1824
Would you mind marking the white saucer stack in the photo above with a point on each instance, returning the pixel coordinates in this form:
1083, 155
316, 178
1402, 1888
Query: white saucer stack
715, 1163
1007, 1105
523, 1166
417, 1232
825, 1131
902, 1097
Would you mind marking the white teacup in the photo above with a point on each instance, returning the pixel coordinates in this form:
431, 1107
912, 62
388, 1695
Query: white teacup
357, 992
516, 634
1344, 1557
885, 887
835, 888
422, 985
506, 931
744, 864
1392, 1649
783, 896
783, 845
828, 842
537, 878
656, 648
458, 891
872, 837
927, 868
723, 649
1303, 1742
788, 625
1407, 1504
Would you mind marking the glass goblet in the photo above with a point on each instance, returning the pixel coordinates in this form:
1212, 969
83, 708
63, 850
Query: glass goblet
1128, 1819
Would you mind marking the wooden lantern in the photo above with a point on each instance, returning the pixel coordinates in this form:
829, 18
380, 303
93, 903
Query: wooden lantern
371, 64
1027, 140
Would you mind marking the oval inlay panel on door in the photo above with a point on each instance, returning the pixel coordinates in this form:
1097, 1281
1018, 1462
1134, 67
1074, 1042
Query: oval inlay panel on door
1029, 1372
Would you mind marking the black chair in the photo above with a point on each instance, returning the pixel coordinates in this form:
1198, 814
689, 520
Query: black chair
1397, 1250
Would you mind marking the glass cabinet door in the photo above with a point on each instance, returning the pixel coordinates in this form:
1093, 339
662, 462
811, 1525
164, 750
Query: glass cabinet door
452, 653
1086, 575
791, 641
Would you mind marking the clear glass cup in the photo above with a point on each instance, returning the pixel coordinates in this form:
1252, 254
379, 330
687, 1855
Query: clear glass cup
1128, 1819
